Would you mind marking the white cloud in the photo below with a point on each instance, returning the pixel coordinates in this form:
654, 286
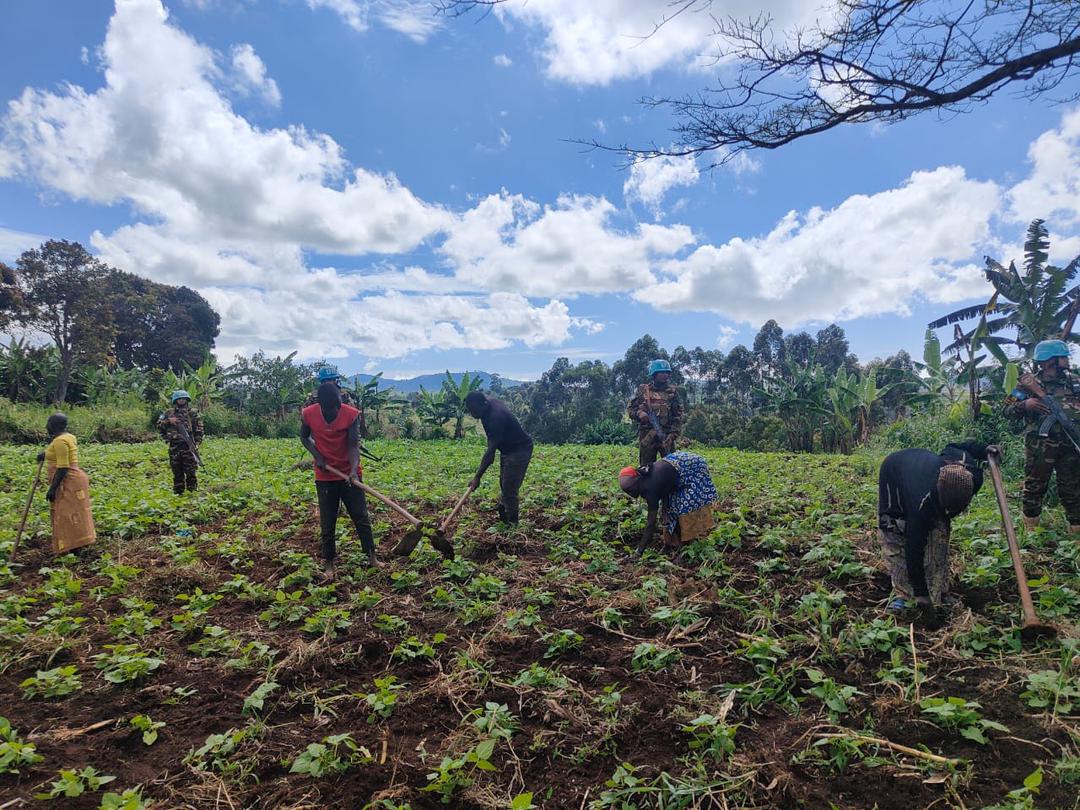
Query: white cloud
599, 41
161, 135
650, 180
84, 55
725, 337
353, 12
1052, 190
868, 256
502, 60
414, 18
13, 243
504, 138
250, 75
510, 243
231, 209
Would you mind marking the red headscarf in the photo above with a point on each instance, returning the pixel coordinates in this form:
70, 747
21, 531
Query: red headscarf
628, 472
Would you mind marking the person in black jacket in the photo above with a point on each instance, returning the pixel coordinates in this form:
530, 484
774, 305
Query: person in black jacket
514, 445
919, 493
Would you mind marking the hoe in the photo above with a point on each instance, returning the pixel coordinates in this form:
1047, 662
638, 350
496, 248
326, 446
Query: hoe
411, 538
1032, 627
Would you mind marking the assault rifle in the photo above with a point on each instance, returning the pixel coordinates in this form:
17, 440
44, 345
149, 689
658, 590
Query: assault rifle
182, 428
655, 422
1030, 383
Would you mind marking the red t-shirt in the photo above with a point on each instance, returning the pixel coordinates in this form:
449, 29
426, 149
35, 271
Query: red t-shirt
332, 440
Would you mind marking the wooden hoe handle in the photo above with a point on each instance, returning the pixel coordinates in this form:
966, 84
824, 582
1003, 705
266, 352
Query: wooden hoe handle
415, 521
1010, 533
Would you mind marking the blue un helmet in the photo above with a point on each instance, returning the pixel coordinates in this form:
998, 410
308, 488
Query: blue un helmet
327, 373
181, 394
656, 366
1049, 349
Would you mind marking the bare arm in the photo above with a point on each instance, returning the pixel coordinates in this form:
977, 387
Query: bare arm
485, 462
647, 534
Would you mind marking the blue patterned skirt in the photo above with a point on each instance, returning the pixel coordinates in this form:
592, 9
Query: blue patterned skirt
695, 490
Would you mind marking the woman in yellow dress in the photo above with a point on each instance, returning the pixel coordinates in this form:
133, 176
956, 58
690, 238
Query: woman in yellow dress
69, 489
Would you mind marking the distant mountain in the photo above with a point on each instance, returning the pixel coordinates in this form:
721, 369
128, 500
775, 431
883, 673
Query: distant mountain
432, 382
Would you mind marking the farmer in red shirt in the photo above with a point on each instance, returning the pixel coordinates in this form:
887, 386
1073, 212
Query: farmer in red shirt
329, 431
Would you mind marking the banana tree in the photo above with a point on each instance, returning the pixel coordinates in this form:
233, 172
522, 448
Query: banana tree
1039, 303
937, 379
454, 393
369, 397
798, 398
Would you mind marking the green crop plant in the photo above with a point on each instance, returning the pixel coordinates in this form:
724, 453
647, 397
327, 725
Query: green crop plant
651, 657
961, 716
256, 701
560, 642
526, 618
836, 697
413, 648
335, 754
384, 698
1053, 691
14, 753
327, 621
52, 683
215, 641
125, 662
494, 720
387, 623
457, 772
148, 726
287, 607
70, 783
130, 799
711, 736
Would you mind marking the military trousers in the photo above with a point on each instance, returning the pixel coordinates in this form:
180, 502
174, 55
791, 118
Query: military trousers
1042, 458
183, 465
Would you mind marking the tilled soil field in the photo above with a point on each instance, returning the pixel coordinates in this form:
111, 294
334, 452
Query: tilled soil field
194, 655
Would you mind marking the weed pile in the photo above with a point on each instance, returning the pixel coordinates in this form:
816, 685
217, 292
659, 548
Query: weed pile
192, 658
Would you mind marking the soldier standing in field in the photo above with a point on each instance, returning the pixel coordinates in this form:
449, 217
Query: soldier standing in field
1047, 448
657, 399
182, 427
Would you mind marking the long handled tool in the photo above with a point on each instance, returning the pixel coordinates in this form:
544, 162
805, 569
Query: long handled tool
26, 509
411, 538
441, 541
1032, 628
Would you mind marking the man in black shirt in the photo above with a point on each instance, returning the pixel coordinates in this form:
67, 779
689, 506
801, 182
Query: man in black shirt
515, 447
919, 493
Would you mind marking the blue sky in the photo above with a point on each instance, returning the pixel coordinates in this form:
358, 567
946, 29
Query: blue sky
363, 180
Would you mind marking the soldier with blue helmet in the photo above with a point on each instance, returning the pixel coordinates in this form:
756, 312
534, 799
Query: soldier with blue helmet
329, 373
182, 427
658, 413
1047, 448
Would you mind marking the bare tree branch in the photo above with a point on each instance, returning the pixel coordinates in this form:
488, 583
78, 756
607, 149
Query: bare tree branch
868, 61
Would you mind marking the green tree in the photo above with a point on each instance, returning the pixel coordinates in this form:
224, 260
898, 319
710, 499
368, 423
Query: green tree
62, 293
454, 393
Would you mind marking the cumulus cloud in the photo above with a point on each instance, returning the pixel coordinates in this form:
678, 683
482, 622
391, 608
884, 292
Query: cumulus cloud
510, 243
650, 180
604, 40
231, 208
870, 255
502, 60
250, 75
1052, 190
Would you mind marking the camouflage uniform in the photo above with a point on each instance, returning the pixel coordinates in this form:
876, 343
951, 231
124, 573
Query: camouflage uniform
664, 402
181, 459
1045, 454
